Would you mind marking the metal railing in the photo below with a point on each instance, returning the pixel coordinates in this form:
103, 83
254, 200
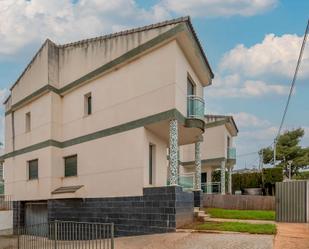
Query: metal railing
211, 188
231, 153
195, 107
186, 181
6, 202
61, 234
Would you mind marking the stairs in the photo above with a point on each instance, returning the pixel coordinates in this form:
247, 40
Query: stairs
200, 215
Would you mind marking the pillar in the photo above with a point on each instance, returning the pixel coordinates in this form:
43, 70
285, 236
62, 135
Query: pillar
209, 181
230, 180
173, 169
197, 182
223, 177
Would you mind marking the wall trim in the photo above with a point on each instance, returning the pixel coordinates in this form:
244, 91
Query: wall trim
170, 114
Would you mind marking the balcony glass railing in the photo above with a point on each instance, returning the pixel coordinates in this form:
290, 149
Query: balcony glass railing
196, 107
231, 153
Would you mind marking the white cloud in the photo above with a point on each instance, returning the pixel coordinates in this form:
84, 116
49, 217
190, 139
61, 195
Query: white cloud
275, 55
24, 22
213, 8
244, 119
260, 134
234, 86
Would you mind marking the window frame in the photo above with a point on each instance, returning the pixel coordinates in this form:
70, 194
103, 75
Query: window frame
30, 177
151, 163
28, 122
88, 105
65, 169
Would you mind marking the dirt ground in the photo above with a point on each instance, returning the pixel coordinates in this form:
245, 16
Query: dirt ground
292, 236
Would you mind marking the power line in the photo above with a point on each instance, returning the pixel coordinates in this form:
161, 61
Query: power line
291, 90
294, 79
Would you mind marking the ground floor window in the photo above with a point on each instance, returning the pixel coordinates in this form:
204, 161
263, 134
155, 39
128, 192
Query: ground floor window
151, 162
70, 166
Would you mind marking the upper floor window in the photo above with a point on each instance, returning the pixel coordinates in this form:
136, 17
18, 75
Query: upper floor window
28, 122
228, 142
1, 171
33, 169
190, 87
70, 166
87, 104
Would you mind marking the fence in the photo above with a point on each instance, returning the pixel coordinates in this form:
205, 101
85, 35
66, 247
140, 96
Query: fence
61, 234
242, 202
292, 201
5, 202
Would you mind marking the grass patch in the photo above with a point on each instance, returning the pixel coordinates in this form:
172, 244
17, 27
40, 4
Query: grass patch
238, 227
241, 214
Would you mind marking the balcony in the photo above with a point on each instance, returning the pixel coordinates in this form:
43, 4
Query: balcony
195, 107
231, 153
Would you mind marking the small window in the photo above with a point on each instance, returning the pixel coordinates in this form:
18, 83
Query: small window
190, 87
33, 170
1, 171
88, 104
151, 162
28, 121
70, 166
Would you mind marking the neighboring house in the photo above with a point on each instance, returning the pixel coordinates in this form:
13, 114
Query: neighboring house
217, 152
88, 125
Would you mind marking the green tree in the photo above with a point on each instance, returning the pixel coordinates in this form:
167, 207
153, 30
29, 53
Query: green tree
289, 151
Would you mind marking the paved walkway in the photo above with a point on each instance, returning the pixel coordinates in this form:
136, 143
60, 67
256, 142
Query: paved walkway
292, 236
245, 221
196, 241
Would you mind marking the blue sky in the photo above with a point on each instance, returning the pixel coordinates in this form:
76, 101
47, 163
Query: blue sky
252, 47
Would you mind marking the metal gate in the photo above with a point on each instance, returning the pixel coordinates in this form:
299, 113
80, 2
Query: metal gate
63, 234
292, 201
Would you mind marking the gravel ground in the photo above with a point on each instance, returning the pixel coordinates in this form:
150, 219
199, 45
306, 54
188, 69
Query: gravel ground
196, 241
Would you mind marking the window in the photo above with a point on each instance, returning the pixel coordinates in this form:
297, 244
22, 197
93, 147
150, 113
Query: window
70, 166
88, 104
190, 87
151, 162
28, 121
33, 171
1, 172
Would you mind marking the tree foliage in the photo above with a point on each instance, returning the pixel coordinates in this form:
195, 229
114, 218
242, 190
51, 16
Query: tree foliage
288, 150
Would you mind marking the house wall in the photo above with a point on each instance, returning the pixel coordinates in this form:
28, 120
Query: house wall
214, 145
87, 56
35, 77
6, 222
114, 165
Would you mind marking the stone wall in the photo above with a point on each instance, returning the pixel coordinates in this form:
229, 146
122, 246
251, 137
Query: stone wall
159, 210
242, 202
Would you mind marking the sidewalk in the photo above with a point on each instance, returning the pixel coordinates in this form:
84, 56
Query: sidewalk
292, 236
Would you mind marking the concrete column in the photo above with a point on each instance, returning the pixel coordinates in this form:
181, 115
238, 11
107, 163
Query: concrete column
223, 177
209, 181
230, 181
197, 183
173, 174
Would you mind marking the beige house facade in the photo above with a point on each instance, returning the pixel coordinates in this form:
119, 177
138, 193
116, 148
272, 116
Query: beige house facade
105, 120
91, 122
